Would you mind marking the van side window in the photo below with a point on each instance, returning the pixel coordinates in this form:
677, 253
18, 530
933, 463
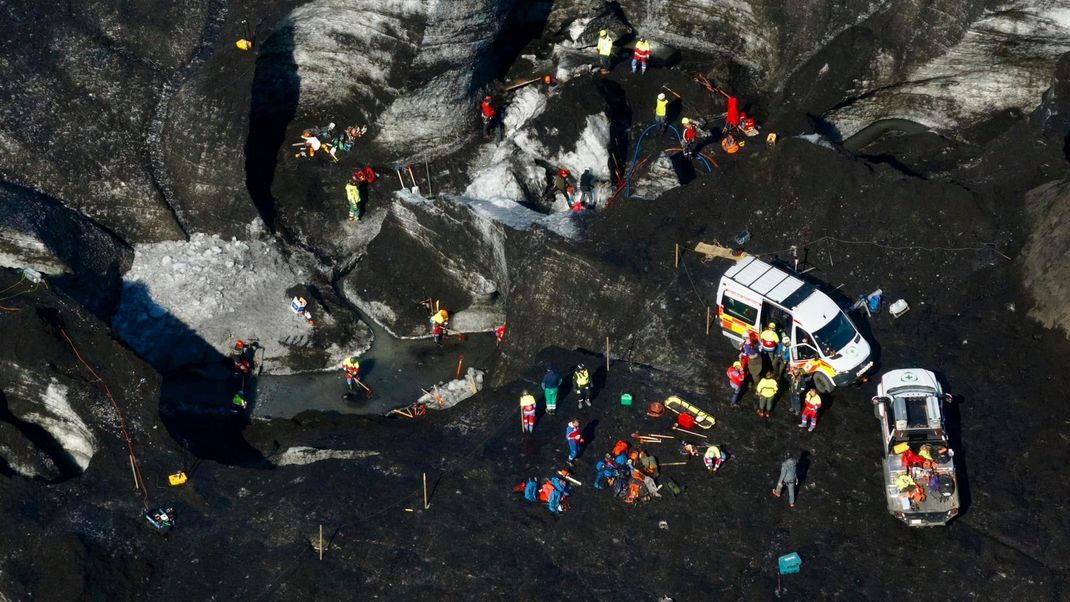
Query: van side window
804, 349
739, 310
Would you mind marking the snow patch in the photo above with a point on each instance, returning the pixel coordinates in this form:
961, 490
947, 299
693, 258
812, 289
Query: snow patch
301, 455
817, 139
61, 421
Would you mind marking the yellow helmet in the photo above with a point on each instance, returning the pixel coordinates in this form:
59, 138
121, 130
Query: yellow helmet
603, 33
685, 121
772, 325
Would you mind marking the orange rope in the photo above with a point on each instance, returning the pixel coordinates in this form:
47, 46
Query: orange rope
134, 462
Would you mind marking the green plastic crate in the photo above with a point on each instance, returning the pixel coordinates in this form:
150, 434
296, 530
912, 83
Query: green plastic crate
626, 399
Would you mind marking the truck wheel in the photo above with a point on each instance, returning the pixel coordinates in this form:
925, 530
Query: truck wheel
823, 383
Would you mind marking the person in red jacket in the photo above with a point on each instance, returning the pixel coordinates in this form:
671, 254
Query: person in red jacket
488, 115
574, 438
687, 140
737, 378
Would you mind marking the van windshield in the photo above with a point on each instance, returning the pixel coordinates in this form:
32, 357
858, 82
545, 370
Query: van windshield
835, 335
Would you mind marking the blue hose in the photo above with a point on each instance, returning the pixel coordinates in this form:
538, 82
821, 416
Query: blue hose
635, 156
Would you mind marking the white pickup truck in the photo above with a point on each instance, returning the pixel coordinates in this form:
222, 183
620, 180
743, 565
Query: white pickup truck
918, 464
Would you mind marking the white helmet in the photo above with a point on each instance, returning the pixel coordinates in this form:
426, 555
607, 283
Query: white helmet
661, 96
685, 121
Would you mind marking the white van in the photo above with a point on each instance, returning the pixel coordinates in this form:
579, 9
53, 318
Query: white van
825, 342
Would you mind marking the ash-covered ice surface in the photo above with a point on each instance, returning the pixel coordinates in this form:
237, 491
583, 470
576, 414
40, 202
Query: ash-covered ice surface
155, 209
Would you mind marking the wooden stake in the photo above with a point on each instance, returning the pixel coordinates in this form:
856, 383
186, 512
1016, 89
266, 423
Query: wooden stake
676, 256
708, 312
607, 354
133, 472
660, 436
427, 166
321, 542
676, 428
459, 361
672, 463
426, 504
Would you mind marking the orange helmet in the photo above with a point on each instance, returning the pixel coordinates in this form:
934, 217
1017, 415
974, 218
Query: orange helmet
486, 98
563, 173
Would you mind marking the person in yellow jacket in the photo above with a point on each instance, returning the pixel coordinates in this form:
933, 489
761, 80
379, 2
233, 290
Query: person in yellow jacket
439, 321
581, 380
527, 412
356, 204
767, 389
605, 50
661, 109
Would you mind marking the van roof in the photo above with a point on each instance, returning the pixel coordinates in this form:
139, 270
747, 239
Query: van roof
770, 282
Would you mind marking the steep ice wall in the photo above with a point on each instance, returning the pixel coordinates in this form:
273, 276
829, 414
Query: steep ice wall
410, 67
202, 295
47, 406
1004, 61
1047, 274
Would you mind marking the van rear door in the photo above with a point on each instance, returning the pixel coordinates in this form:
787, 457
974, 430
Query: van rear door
737, 312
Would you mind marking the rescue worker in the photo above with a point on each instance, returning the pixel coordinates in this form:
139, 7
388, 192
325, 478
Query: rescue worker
810, 409
661, 109
713, 458
556, 500
766, 390
646, 481
729, 144
527, 411
439, 321
346, 138
574, 438
800, 382
581, 381
641, 55
605, 469
351, 371
587, 189
562, 184
242, 365
788, 476
737, 379
605, 51
687, 139
782, 356
356, 204
749, 352
499, 334
311, 145
550, 382
769, 340
488, 115
238, 402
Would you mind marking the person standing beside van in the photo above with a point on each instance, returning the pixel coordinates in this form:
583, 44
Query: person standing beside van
749, 352
767, 389
769, 340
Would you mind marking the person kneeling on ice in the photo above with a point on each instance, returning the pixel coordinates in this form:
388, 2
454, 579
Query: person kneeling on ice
238, 403
811, 406
351, 371
713, 458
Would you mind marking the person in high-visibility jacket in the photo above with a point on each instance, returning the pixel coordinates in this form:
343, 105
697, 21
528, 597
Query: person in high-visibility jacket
713, 458
737, 377
767, 389
811, 406
641, 55
439, 321
769, 339
527, 411
605, 50
581, 380
356, 204
351, 370
661, 108
687, 139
